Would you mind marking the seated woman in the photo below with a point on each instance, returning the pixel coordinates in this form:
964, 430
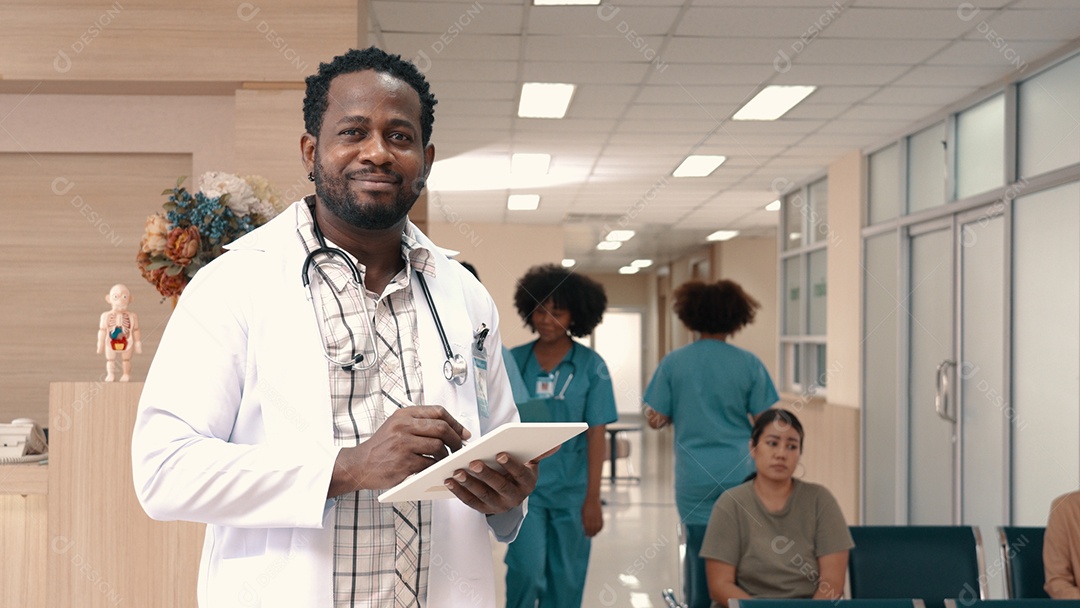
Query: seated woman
1061, 548
775, 536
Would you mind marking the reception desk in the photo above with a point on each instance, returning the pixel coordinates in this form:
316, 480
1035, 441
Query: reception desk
84, 539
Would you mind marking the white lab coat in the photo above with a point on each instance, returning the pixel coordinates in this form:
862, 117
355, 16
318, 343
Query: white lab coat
235, 428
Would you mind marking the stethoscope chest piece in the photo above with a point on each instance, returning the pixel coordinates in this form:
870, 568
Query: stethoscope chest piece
455, 369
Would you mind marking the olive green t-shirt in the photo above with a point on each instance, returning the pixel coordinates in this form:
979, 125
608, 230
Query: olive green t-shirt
775, 554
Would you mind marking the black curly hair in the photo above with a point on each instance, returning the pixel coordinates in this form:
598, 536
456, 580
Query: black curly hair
371, 58
781, 417
582, 296
715, 308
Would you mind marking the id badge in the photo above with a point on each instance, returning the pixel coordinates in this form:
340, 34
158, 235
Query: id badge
481, 384
545, 386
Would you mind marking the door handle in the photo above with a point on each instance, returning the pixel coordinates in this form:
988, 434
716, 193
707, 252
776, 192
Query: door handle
941, 396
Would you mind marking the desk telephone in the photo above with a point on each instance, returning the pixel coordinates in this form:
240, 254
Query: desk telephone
22, 441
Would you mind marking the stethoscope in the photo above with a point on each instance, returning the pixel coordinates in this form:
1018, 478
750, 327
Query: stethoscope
455, 369
556, 373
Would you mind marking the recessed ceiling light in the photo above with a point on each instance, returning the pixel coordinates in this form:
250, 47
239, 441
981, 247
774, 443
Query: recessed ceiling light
698, 165
565, 2
523, 202
643, 263
722, 235
608, 245
629, 270
529, 164
772, 102
568, 262
773, 206
620, 235
545, 99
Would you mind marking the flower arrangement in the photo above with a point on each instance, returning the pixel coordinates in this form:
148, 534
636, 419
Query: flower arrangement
194, 228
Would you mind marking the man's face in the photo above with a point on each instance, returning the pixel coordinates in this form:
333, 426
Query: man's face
369, 159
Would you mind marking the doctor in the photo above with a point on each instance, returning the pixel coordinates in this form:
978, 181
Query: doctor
302, 373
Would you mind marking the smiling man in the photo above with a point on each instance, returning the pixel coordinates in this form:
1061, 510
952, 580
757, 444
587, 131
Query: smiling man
332, 353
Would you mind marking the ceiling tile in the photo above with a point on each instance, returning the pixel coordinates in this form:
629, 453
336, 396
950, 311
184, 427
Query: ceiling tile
604, 20
843, 51
447, 19
911, 23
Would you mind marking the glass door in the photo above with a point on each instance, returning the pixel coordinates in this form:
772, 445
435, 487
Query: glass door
957, 428
932, 428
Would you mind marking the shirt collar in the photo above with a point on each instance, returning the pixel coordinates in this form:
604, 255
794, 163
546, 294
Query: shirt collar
336, 271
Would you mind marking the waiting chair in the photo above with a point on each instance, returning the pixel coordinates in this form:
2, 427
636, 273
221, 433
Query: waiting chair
669, 599
1022, 555
933, 563
1014, 603
884, 603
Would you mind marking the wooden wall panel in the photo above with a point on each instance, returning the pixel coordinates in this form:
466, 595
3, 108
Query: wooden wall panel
269, 124
831, 455
71, 230
200, 40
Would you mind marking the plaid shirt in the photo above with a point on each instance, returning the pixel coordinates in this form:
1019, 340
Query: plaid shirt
366, 548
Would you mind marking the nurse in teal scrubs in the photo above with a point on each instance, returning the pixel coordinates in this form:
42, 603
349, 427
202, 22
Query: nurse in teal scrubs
710, 391
567, 382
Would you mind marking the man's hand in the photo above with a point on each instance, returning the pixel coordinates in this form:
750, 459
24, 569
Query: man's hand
409, 441
490, 490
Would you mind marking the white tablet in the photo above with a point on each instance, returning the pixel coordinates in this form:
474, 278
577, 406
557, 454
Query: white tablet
522, 440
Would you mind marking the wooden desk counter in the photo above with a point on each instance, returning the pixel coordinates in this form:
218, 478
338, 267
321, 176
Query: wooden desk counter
24, 531
103, 550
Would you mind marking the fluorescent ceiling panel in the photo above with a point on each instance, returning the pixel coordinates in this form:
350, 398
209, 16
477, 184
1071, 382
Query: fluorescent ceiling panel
698, 165
545, 99
523, 202
722, 235
773, 102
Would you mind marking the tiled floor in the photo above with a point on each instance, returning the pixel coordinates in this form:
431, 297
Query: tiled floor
636, 555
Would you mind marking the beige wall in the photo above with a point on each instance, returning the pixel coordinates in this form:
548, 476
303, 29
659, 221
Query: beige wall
501, 254
751, 262
624, 290
843, 342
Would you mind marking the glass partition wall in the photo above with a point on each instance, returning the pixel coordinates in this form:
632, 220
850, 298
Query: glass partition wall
805, 226
971, 325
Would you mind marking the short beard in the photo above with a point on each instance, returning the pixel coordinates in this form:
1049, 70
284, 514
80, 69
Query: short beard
339, 199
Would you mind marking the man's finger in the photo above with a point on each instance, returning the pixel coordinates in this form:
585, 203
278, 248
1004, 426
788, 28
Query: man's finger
545, 454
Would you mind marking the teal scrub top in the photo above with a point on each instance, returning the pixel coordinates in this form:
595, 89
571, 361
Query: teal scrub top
582, 393
707, 388
517, 385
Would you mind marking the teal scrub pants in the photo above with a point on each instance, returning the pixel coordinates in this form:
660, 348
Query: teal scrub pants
695, 584
548, 560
